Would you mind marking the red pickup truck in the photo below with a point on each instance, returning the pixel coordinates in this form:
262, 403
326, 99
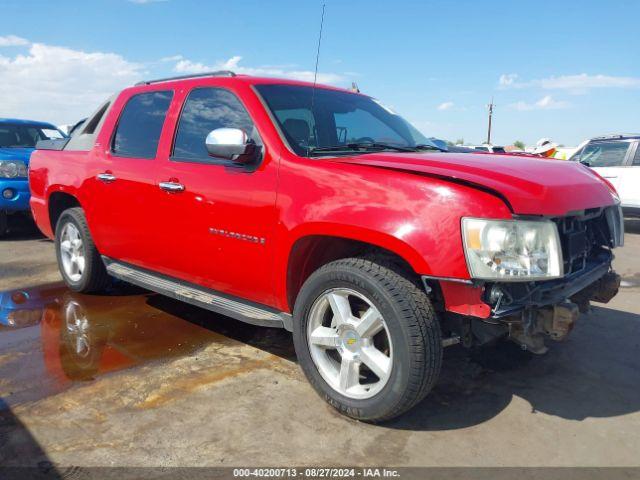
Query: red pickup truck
319, 210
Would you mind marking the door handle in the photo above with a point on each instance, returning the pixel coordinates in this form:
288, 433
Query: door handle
172, 187
106, 177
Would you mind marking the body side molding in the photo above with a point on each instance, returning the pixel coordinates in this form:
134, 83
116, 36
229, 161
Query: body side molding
212, 300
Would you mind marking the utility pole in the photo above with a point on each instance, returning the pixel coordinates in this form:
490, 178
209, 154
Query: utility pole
490, 107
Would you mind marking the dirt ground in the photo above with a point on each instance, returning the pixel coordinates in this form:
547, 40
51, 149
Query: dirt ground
136, 379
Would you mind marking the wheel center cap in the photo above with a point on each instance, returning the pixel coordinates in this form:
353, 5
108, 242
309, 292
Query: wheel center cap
350, 340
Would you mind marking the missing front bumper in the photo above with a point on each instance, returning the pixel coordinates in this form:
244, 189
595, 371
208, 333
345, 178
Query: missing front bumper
519, 297
529, 323
533, 325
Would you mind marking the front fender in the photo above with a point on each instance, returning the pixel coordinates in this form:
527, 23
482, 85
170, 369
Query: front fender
413, 216
362, 234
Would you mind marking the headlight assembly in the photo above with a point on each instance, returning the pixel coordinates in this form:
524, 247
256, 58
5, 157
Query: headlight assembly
512, 250
12, 169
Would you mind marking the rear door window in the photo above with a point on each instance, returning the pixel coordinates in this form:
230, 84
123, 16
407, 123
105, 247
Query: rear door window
605, 154
140, 125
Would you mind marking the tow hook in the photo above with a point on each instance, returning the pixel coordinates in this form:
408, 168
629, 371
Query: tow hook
556, 322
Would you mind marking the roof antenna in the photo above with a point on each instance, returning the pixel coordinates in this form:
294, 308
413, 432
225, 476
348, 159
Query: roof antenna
315, 74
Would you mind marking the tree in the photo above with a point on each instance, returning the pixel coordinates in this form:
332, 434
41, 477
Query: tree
460, 141
519, 144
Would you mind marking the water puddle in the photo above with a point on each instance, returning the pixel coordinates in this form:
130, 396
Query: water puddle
52, 338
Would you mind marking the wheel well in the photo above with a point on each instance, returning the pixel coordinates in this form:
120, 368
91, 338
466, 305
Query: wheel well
58, 203
310, 253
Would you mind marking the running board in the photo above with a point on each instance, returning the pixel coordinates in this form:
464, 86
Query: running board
234, 307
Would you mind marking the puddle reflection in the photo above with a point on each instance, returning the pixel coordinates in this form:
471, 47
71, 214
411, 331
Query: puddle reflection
51, 337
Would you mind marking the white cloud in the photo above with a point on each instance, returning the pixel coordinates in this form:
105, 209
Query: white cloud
507, 79
575, 84
545, 103
60, 84
13, 41
172, 58
445, 106
585, 82
187, 66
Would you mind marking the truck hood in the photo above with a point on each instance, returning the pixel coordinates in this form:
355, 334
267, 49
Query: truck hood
16, 154
530, 186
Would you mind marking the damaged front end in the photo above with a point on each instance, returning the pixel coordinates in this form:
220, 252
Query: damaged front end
528, 312
537, 319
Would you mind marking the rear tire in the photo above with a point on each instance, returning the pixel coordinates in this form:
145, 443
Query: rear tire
79, 261
406, 346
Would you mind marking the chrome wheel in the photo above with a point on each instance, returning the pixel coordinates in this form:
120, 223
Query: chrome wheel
72, 252
350, 343
77, 329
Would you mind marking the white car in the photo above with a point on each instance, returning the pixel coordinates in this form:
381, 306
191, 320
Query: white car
616, 158
486, 148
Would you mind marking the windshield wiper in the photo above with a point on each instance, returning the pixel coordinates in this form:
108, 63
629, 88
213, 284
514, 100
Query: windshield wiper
362, 146
426, 146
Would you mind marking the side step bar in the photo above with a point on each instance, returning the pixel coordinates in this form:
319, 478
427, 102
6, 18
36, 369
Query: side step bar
212, 300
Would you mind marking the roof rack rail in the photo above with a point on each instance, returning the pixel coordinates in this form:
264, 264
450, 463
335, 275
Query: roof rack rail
220, 73
616, 135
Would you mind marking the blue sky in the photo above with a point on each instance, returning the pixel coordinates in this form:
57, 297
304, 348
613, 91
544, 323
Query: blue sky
561, 69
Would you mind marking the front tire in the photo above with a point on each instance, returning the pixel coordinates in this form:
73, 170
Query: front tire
78, 258
367, 338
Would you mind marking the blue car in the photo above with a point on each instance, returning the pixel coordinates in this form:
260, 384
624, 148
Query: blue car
18, 139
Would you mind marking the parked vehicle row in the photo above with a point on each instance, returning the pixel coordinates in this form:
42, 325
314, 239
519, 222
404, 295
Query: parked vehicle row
315, 209
18, 139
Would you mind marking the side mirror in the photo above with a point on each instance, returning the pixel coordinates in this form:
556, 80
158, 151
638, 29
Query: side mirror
230, 143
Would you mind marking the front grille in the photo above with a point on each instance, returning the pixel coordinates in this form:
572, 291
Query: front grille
584, 236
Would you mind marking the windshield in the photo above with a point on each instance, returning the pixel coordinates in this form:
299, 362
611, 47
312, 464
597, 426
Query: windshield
25, 136
329, 118
603, 154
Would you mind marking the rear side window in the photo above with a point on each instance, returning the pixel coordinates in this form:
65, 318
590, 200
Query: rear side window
605, 154
636, 158
140, 125
92, 123
207, 109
